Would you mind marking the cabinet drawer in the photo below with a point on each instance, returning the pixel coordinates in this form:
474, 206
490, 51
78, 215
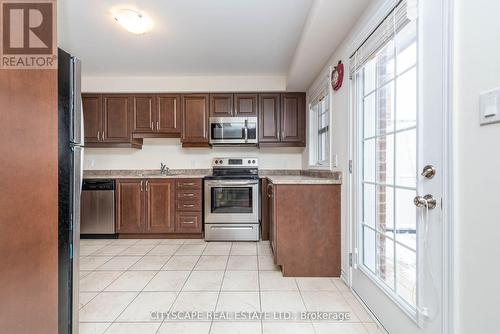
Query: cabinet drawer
192, 195
188, 184
188, 205
188, 222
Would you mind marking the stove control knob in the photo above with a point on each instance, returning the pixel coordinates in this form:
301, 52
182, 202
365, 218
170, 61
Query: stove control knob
253, 161
249, 161
216, 162
220, 161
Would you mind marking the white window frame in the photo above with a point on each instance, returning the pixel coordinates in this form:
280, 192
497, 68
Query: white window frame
314, 146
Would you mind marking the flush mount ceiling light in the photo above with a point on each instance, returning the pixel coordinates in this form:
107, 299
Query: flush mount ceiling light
133, 21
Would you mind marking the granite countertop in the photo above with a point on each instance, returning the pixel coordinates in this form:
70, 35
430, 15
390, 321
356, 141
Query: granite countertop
292, 176
302, 179
139, 174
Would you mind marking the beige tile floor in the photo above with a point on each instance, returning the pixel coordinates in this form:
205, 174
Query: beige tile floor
122, 281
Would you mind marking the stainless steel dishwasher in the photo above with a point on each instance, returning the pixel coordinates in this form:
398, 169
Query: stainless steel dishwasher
98, 207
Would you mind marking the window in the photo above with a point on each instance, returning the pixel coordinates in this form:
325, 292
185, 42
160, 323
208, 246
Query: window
320, 130
385, 73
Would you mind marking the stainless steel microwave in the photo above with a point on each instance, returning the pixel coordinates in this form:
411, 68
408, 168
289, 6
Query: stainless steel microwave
233, 130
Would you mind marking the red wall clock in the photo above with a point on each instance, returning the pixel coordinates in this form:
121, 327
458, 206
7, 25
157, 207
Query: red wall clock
337, 76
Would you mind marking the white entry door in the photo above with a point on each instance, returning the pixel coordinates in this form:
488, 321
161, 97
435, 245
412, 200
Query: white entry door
398, 172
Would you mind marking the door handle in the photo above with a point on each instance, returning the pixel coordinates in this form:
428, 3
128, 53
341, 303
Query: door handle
426, 201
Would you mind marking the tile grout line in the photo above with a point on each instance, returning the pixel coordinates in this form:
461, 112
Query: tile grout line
221, 283
260, 295
182, 287
138, 293
95, 270
304, 302
114, 321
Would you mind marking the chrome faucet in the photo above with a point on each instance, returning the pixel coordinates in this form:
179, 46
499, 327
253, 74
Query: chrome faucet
164, 169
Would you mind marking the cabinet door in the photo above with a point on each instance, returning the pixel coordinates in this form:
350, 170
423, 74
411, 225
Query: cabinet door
168, 119
116, 119
130, 206
195, 119
221, 105
245, 105
188, 222
160, 208
144, 112
293, 118
269, 122
92, 117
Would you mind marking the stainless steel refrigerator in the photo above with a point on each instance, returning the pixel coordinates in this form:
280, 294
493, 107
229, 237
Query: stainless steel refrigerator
71, 147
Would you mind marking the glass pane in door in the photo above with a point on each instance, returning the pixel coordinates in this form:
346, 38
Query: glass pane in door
387, 109
232, 200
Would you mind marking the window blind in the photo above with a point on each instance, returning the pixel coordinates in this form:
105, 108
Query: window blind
402, 14
321, 90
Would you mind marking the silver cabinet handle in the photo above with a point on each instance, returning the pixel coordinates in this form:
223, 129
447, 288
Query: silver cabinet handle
147, 185
141, 186
189, 222
187, 184
98, 139
188, 205
157, 125
152, 125
188, 195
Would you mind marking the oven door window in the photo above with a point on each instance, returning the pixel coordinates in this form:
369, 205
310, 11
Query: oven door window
231, 200
228, 130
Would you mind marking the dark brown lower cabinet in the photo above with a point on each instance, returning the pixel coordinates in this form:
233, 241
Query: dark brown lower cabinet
158, 206
304, 228
130, 205
188, 222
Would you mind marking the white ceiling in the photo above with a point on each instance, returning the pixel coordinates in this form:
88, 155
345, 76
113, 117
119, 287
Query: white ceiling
197, 37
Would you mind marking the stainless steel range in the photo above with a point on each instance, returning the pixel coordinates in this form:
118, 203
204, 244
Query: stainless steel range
232, 200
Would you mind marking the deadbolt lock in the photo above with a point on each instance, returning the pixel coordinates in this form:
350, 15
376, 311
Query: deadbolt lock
429, 171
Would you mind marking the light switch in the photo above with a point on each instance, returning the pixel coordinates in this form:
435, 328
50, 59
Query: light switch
489, 107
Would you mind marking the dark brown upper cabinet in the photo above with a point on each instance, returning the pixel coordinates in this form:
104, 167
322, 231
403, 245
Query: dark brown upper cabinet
108, 120
245, 105
293, 118
144, 113
116, 119
269, 118
168, 118
221, 105
92, 115
282, 119
156, 116
195, 114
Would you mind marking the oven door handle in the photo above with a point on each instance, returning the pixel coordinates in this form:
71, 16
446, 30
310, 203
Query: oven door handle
231, 183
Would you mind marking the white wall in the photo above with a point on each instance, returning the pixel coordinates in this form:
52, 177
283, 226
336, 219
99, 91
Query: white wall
477, 168
117, 84
170, 151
